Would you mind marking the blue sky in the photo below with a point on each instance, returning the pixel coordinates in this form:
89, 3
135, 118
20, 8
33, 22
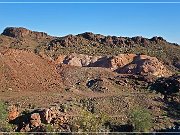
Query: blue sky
146, 20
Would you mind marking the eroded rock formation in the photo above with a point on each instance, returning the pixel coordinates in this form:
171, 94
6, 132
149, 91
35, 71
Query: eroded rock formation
122, 63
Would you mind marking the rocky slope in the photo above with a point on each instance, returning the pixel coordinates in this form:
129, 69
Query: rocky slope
22, 38
91, 44
108, 74
22, 70
96, 44
91, 39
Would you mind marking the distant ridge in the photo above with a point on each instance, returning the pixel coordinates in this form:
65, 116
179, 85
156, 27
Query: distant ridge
21, 32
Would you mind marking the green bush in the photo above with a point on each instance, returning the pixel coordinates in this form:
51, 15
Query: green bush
89, 122
141, 120
4, 125
49, 128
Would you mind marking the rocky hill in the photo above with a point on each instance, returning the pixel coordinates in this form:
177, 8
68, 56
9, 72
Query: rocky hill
96, 44
23, 32
91, 44
25, 71
48, 78
22, 38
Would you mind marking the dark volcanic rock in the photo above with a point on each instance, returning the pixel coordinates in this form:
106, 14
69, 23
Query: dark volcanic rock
168, 86
177, 64
23, 32
88, 35
91, 36
141, 40
88, 38
157, 39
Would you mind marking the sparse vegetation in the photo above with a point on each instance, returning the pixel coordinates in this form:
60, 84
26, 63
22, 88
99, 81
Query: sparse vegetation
4, 125
141, 119
89, 122
49, 128
37, 82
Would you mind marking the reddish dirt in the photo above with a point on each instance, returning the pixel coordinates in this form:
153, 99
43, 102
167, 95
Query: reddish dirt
34, 81
23, 73
27, 78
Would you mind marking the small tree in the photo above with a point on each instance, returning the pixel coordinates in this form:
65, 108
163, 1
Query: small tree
141, 119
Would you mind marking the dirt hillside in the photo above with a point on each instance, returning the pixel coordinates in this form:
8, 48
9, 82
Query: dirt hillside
23, 72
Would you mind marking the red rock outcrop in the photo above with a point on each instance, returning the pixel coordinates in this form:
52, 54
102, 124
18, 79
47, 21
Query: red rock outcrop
121, 60
122, 63
35, 120
79, 60
142, 64
52, 115
13, 112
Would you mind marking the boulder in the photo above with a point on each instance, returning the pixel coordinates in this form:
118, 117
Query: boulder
13, 112
177, 64
50, 114
35, 120
46, 116
167, 86
26, 128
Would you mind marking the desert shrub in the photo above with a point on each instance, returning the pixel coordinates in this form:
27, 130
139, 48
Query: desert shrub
88, 104
4, 125
141, 119
49, 128
64, 107
89, 122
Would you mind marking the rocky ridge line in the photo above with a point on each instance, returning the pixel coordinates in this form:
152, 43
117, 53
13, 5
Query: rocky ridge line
21, 32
